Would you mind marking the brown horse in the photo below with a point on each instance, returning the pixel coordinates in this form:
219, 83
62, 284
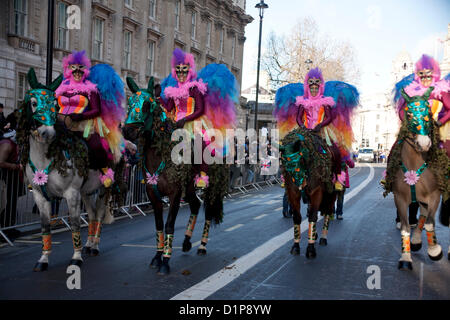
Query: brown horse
307, 166
414, 180
148, 123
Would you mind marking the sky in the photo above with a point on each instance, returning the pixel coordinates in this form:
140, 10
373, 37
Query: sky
378, 31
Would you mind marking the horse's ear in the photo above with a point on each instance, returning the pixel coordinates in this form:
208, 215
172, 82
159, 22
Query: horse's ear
150, 87
32, 79
55, 84
132, 85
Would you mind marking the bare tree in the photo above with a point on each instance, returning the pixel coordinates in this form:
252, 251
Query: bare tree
286, 56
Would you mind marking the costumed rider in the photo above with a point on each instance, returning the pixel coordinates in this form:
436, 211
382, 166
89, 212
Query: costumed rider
427, 89
325, 108
90, 102
207, 99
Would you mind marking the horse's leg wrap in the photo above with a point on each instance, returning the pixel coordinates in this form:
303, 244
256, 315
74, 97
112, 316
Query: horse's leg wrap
159, 241
191, 225
434, 249
91, 233
46, 247
326, 224
312, 232
77, 246
406, 247
97, 232
205, 234
168, 241
297, 233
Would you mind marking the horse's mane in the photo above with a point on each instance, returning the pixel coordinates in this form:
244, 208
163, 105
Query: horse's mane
437, 160
315, 158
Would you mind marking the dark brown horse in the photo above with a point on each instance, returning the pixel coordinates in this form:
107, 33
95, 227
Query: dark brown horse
148, 124
307, 166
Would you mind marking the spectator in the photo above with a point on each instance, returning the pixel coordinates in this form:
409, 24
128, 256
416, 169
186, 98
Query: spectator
3, 122
344, 181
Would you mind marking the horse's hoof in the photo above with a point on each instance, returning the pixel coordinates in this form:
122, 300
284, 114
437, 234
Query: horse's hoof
40, 266
164, 269
295, 250
94, 252
310, 251
323, 242
438, 257
201, 252
76, 262
187, 245
86, 250
156, 262
405, 265
416, 246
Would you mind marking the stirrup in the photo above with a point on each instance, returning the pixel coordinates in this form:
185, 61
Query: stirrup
107, 178
202, 180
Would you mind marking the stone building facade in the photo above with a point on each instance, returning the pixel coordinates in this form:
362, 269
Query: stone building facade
136, 37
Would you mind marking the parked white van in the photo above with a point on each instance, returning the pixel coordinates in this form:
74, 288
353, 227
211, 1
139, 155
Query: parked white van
365, 155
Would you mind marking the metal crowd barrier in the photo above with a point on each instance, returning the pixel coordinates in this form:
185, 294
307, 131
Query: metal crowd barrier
18, 210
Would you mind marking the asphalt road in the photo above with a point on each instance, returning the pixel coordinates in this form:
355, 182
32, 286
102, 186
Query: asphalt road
248, 256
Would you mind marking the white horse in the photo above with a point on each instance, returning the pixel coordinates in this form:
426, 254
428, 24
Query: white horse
40, 114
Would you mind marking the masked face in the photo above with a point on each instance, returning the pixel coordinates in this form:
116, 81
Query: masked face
314, 86
77, 71
182, 71
425, 76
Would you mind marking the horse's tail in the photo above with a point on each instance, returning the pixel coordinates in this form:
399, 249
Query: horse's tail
444, 214
219, 177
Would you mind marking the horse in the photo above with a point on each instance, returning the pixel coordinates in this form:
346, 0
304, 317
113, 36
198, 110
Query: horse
414, 179
48, 156
307, 166
148, 123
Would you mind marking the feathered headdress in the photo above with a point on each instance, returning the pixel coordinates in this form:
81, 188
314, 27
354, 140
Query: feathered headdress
76, 57
427, 62
181, 57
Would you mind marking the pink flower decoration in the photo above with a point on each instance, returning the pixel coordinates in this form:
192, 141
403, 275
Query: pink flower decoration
152, 178
342, 177
40, 178
282, 178
204, 178
384, 174
109, 174
411, 177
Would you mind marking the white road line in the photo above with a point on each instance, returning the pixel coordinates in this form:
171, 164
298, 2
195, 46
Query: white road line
234, 227
260, 216
143, 246
197, 243
220, 279
421, 282
35, 241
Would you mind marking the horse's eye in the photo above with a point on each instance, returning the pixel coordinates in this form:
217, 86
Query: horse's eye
34, 104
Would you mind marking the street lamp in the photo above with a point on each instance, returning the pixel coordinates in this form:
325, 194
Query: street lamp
261, 6
50, 26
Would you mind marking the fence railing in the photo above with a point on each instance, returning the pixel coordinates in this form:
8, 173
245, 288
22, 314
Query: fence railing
18, 210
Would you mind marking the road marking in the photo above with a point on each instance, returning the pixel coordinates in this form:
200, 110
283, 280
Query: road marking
421, 281
259, 217
218, 280
35, 241
278, 209
197, 243
234, 227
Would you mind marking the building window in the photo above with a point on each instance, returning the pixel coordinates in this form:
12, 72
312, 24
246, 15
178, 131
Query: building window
22, 87
377, 128
233, 49
208, 34
127, 50
194, 25
129, 3
150, 58
152, 9
98, 39
62, 40
222, 35
20, 17
177, 14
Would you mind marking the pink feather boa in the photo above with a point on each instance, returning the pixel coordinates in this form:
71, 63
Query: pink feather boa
73, 87
417, 89
314, 101
182, 91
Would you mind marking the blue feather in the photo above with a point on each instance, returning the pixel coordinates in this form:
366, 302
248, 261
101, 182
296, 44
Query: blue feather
344, 94
109, 84
402, 84
220, 80
447, 77
286, 95
169, 81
